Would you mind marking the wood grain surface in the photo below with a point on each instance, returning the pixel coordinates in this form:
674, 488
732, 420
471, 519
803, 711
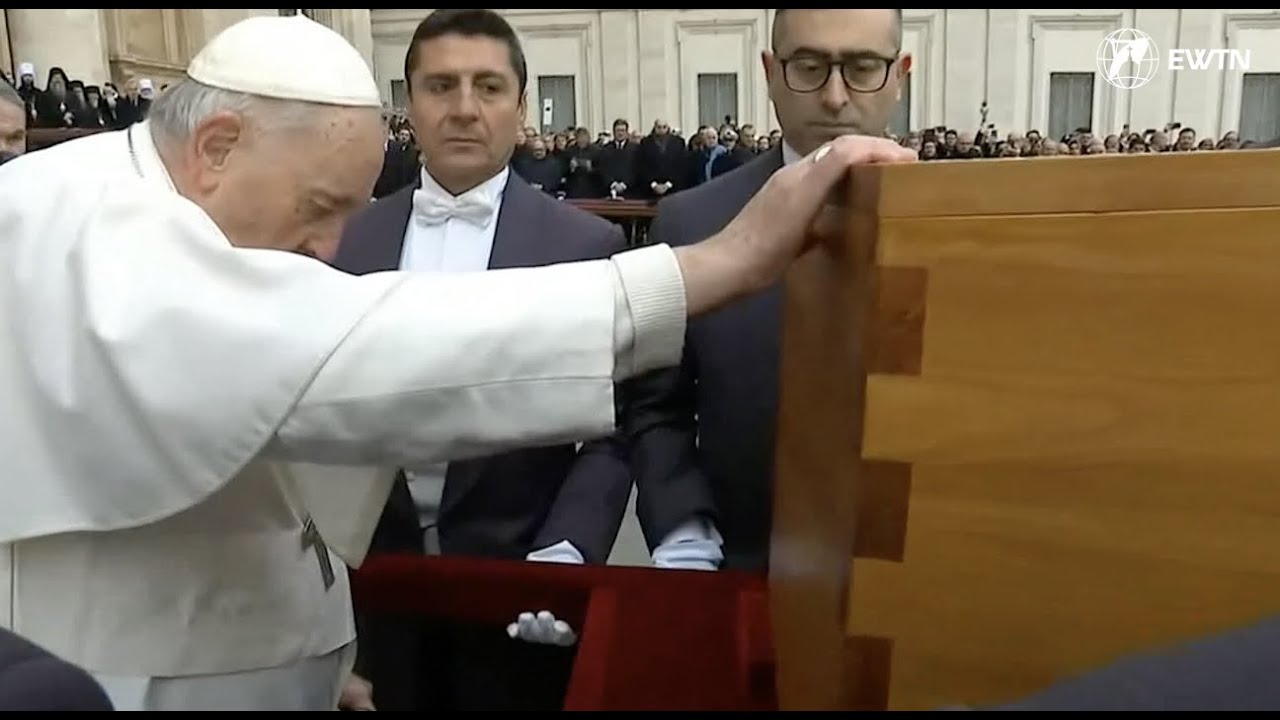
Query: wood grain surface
1061, 392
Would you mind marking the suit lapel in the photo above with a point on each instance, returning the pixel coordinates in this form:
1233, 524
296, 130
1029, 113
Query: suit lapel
515, 240
516, 243
382, 250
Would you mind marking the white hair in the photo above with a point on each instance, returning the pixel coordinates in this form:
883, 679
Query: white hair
178, 111
9, 95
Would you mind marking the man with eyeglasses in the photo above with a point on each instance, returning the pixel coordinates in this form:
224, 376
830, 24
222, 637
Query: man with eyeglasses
703, 440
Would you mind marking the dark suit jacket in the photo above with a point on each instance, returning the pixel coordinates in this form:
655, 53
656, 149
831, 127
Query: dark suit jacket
663, 159
621, 165
32, 679
508, 505
703, 434
399, 170
500, 507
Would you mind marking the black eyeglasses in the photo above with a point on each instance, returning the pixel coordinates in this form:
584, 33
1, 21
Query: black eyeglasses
861, 73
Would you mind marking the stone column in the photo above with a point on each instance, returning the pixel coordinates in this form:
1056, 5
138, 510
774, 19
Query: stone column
73, 39
358, 28
324, 17
6, 59
354, 25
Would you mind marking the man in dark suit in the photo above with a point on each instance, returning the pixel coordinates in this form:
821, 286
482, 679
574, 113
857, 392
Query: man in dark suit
33, 679
704, 435
618, 165
399, 164
469, 212
663, 162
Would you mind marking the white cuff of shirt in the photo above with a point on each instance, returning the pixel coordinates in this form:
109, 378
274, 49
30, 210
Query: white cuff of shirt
695, 545
562, 552
653, 298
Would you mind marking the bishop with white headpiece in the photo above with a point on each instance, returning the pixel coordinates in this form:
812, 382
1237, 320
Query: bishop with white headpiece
193, 399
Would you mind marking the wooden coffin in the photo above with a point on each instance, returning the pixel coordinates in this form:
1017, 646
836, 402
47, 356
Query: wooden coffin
1029, 423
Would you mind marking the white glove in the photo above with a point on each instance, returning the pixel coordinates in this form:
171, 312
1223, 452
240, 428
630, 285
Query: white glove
696, 545
542, 629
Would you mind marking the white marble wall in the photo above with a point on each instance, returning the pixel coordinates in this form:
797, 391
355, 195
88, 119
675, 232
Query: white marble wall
643, 64
95, 44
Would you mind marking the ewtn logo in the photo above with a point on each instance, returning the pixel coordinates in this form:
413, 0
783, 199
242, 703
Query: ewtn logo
1128, 59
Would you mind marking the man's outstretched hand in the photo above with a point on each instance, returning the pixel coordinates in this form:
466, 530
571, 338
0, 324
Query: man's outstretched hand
755, 249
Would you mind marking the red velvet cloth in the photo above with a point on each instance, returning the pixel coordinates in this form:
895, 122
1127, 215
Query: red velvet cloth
649, 639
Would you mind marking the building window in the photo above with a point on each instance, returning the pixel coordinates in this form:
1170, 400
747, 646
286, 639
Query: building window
399, 95
557, 109
1260, 107
1070, 103
900, 123
290, 13
717, 98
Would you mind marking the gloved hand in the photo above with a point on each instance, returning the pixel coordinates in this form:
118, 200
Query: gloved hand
543, 629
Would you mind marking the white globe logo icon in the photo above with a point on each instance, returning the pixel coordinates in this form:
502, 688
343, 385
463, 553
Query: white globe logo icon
1128, 58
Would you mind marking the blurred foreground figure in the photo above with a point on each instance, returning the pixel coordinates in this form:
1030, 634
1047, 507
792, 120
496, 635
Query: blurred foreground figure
33, 680
1235, 670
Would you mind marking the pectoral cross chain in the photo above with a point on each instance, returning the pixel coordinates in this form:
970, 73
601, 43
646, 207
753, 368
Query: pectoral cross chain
311, 540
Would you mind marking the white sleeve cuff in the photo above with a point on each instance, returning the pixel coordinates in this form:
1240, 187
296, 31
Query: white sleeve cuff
695, 545
654, 292
562, 552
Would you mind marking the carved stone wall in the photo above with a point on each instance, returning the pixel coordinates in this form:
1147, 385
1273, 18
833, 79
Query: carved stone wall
116, 44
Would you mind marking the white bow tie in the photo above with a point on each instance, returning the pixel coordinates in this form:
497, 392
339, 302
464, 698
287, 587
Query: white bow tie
432, 209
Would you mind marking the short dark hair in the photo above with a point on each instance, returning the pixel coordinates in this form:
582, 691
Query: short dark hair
777, 23
468, 23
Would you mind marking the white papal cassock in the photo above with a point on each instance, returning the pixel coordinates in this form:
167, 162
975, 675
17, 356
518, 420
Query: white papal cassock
175, 409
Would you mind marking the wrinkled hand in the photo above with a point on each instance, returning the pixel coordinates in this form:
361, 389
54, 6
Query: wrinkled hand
357, 694
542, 629
772, 230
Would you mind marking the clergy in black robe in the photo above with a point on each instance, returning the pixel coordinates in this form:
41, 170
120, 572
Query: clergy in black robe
663, 162
583, 180
51, 105
540, 169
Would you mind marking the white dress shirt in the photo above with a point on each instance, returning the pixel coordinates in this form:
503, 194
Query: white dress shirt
436, 239
448, 233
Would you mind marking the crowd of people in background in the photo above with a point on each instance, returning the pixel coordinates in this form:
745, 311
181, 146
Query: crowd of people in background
943, 143
577, 163
67, 103
623, 164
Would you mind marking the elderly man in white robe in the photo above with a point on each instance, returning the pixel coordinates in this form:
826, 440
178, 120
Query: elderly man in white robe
196, 407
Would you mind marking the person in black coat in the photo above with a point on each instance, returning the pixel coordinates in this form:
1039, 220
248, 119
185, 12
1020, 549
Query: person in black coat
32, 679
